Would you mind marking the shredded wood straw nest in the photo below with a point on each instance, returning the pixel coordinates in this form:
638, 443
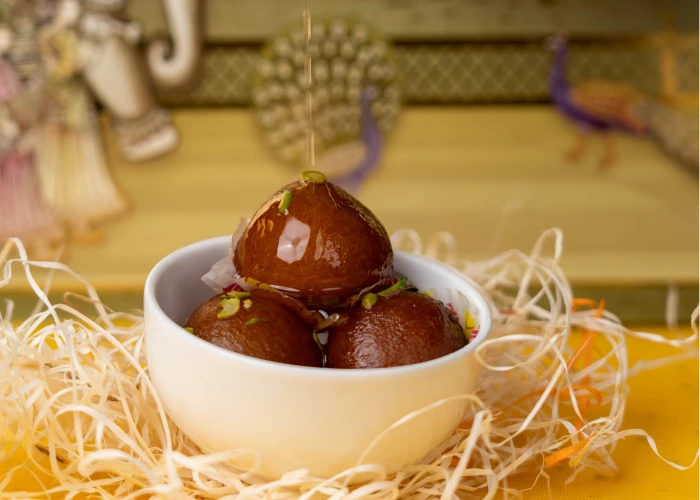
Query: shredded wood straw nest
76, 395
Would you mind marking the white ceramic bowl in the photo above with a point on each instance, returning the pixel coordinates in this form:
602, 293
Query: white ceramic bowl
297, 417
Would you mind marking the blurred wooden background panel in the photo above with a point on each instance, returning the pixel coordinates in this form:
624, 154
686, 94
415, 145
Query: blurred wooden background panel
494, 176
460, 51
254, 20
471, 159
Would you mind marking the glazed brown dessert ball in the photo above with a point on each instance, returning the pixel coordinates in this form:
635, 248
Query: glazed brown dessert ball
316, 242
405, 328
256, 326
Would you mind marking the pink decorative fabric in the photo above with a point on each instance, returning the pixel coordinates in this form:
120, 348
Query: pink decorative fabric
22, 211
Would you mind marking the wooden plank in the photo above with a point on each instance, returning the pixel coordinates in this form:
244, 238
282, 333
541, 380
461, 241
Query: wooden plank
454, 169
255, 20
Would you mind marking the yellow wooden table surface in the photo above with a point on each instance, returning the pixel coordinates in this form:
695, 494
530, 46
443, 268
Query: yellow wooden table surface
445, 168
663, 402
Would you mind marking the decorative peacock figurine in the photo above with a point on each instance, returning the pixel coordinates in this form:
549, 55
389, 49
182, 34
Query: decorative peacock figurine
602, 107
355, 98
350, 163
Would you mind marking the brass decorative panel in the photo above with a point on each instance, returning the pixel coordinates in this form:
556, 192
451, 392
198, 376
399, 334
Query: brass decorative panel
464, 73
226, 76
514, 72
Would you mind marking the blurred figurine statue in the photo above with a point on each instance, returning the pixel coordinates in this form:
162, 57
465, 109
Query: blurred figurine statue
22, 212
75, 178
116, 74
63, 54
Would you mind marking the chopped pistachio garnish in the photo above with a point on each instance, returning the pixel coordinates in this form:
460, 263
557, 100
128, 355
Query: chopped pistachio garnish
247, 303
253, 321
368, 300
313, 176
393, 288
286, 200
238, 295
189, 329
229, 307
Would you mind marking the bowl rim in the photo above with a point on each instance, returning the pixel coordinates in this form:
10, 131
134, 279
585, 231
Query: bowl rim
469, 288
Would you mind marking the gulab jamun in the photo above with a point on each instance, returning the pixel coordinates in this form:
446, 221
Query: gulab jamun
316, 242
250, 324
404, 328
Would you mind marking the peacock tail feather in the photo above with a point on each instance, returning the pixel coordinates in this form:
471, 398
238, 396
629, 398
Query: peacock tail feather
677, 131
341, 159
610, 103
346, 58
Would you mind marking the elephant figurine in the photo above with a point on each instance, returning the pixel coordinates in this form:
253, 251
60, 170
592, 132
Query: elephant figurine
116, 74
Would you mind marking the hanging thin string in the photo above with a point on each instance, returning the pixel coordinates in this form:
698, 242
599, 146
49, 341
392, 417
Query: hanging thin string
307, 68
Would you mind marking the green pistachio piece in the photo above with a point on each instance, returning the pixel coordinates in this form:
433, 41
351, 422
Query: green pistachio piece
238, 295
369, 299
189, 329
229, 307
313, 176
286, 200
247, 303
253, 321
393, 288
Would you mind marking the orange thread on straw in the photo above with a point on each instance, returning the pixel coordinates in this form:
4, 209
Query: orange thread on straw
576, 303
585, 350
597, 400
561, 455
585, 402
